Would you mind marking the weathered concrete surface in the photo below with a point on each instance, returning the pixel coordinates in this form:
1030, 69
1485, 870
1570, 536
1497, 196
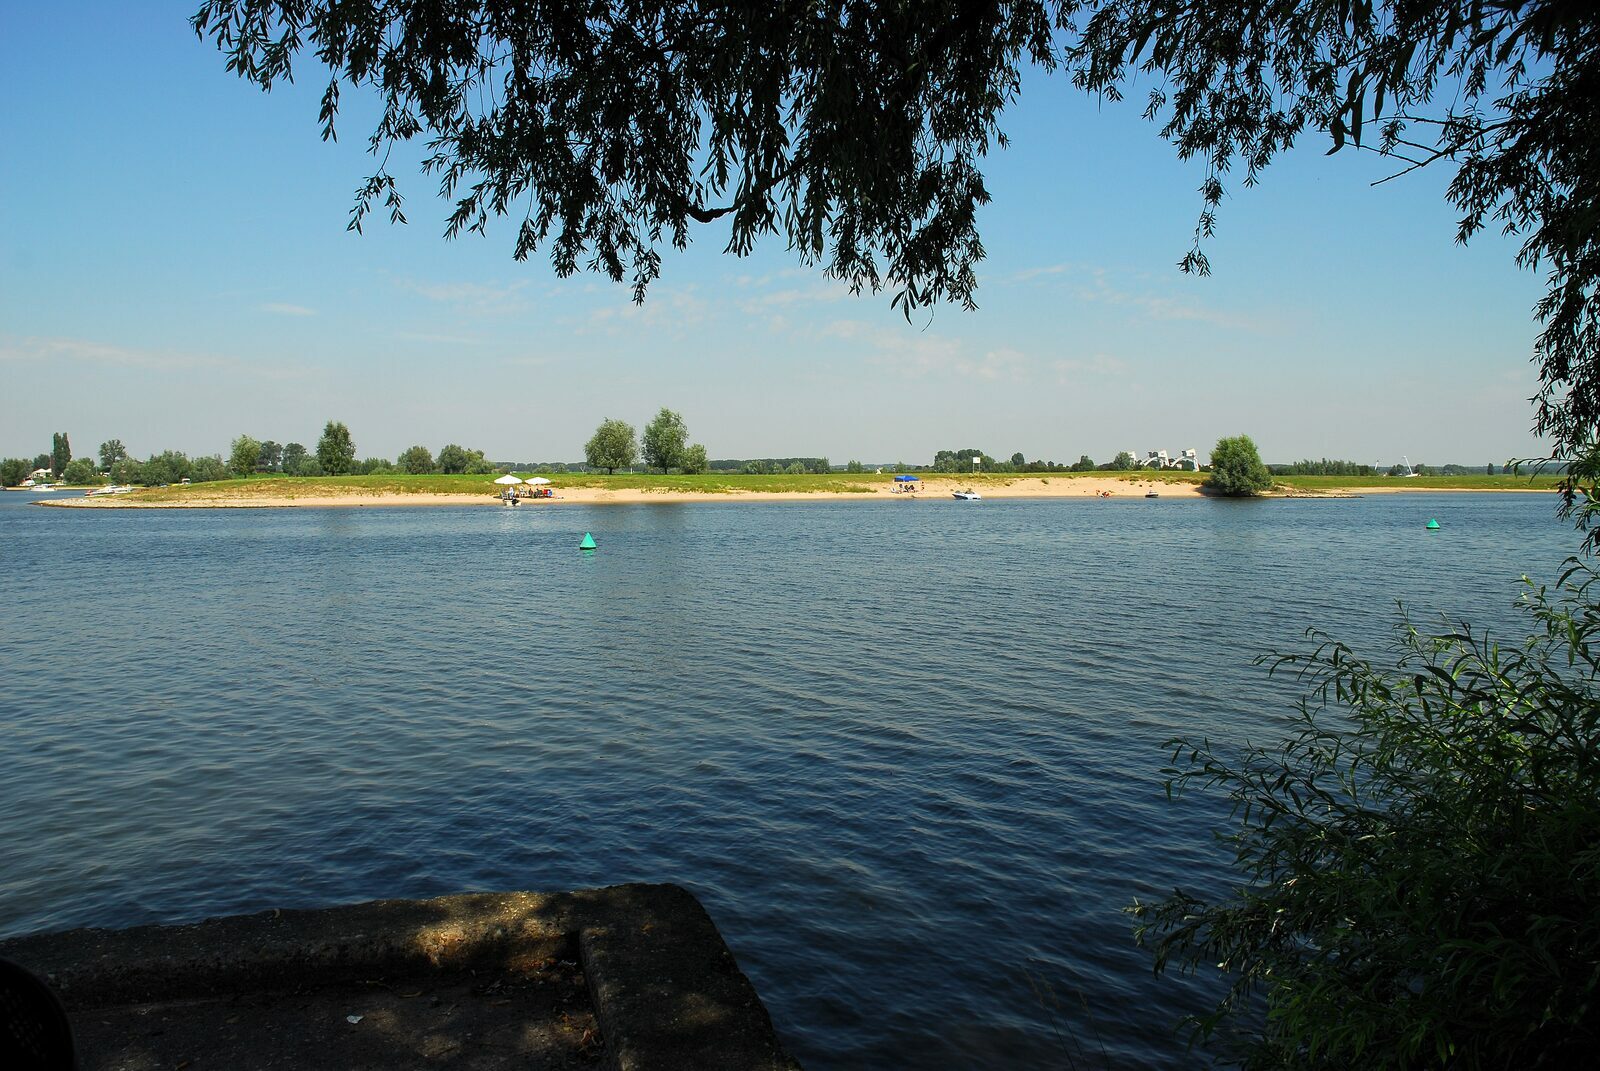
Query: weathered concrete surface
632, 977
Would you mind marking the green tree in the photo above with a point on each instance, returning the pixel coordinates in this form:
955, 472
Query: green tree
294, 457
1421, 860
41, 462
1084, 464
311, 467
1236, 468
693, 460
80, 471
127, 471
13, 470
1124, 462
207, 468
664, 440
60, 453
245, 456
336, 451
1489, 469
453, 459
111, 452
415, 461
1018, 460
271, 456
854, 467
169, 466
612, 446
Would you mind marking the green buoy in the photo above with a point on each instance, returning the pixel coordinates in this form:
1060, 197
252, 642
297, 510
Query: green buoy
1432, 523
588, 541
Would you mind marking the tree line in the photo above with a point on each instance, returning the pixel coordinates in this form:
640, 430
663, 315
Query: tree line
664, 445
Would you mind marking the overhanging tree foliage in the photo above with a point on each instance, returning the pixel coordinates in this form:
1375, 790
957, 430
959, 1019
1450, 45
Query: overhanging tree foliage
1422, 855
854, 128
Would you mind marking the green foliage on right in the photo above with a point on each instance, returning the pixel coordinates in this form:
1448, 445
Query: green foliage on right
1421, 857
1236, 468
612, 446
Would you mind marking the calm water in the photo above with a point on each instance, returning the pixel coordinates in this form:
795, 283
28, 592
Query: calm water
905, 752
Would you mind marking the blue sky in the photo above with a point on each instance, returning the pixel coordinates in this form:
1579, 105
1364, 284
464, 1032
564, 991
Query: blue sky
175, 271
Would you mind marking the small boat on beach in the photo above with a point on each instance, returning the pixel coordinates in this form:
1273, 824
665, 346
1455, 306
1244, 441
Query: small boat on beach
1152, 494
966, 496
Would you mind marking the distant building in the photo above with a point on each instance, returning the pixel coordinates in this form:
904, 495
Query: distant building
1188, 460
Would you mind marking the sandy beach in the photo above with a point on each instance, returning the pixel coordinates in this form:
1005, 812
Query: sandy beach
223, 496
934, 487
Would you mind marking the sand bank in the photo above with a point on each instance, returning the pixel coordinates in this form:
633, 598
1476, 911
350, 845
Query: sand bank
199, 497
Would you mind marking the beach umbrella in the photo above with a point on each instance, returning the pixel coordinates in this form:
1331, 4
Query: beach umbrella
536, 481
905, 479
508, 480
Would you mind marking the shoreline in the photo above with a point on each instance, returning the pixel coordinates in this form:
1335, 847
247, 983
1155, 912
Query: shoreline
939, 488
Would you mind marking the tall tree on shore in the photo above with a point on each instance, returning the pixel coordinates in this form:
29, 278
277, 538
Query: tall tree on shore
415, 461
111, 452
13, 470
664, 440
1236, 468
60, 453
245, 456
271, 456
336, 451
294, 456
611, 447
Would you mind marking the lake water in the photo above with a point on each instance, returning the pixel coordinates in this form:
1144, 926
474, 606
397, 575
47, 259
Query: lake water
906, 753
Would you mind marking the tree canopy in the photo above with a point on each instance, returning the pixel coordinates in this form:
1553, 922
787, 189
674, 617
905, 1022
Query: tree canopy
854, 129
664, 440
1236, 467
612, 446
336, 451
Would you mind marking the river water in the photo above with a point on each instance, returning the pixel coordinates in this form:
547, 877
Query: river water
906, 753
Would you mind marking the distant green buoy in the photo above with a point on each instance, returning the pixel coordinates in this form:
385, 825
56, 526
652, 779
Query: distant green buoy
588, 541
1432, 523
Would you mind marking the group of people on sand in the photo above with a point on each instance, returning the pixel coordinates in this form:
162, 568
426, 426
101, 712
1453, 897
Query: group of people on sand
512, 495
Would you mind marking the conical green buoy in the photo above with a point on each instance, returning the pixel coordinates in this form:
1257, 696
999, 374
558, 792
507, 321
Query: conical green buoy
1432, 523
588, 541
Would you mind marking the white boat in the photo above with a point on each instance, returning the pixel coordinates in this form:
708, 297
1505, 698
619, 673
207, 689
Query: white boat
966, 496
42, 487
109, 489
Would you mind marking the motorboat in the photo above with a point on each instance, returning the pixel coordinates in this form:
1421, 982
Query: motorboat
966, 496
1152, 494
109, 489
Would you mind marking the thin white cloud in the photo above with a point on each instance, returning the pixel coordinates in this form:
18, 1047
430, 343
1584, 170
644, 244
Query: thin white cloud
1099, 288
54, 351
1073, 370
477, 298
279, 308
922, 354
663, 309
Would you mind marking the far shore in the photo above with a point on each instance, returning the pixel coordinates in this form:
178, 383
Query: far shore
588, 489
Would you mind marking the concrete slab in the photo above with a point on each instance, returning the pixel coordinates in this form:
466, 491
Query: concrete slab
630, 977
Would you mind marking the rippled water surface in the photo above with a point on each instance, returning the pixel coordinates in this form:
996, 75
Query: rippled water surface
906, 753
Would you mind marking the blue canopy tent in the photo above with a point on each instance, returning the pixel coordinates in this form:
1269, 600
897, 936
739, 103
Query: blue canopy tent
905, 479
